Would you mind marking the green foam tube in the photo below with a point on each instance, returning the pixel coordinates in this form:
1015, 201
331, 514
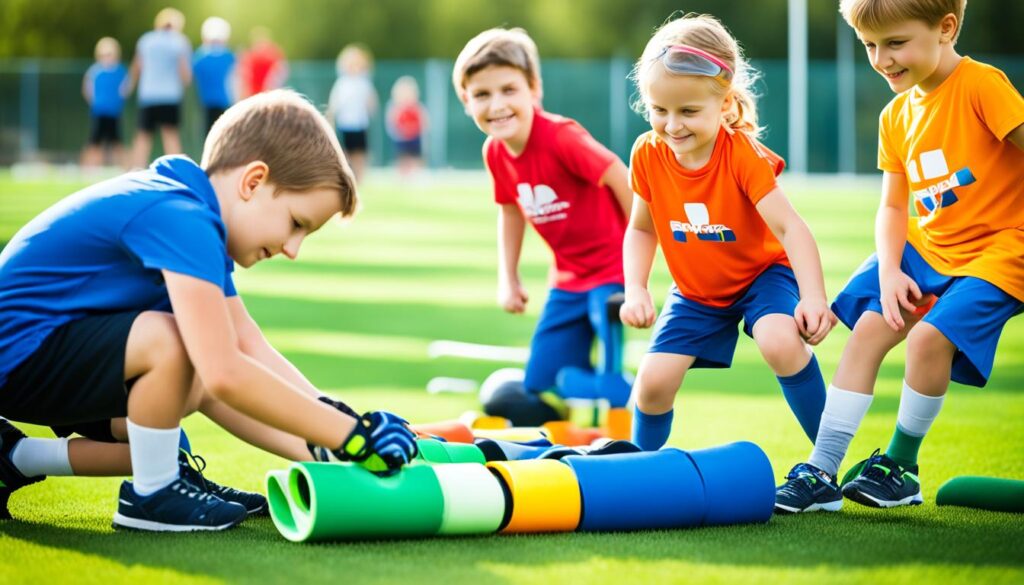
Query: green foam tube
474, 501
343, 501
985, 493
432, 451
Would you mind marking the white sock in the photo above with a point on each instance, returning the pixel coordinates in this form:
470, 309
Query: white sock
844, 410
35, 457
154, 457
917, 411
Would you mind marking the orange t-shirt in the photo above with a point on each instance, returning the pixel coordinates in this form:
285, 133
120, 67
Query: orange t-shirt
714, 240
966, 181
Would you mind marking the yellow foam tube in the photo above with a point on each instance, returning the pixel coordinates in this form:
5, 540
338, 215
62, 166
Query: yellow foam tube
545, 495
619, 424
491, 422
513, 434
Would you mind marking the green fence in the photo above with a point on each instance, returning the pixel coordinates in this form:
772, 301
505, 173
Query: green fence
43, 115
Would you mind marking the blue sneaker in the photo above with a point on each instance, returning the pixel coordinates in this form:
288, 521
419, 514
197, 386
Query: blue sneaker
191, 468
180, 506
808, 489
883, 483
11, 479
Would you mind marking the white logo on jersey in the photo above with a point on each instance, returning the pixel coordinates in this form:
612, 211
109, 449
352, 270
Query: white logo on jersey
936, 194
700, 224
540, 203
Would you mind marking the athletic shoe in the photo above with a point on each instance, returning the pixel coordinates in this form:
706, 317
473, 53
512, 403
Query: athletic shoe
883, 483
180, 506
808, 489
191, 469
11, 479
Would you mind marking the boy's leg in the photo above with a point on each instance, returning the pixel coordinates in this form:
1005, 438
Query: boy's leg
657, 382
171, 139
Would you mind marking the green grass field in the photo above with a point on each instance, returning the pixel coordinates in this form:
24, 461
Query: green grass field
356, 313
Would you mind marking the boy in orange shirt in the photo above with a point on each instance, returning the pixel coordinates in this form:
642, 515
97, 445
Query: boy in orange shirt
953, 138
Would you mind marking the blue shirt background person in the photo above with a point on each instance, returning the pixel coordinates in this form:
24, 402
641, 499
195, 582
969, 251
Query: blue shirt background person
102, 249
106, 86
213, 67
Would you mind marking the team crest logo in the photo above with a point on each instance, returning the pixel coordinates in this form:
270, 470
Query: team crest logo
700, 225
941, 193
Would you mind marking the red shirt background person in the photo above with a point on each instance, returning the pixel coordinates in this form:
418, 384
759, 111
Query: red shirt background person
263, 67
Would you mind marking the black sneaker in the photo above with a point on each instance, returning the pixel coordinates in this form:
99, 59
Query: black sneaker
179, 507
191, 468
11, 479
883, 483
808, 489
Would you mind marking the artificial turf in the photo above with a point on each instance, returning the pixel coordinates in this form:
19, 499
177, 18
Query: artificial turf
356, 312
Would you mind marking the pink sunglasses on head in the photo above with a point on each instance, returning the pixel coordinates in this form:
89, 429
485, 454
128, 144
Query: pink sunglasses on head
687, 60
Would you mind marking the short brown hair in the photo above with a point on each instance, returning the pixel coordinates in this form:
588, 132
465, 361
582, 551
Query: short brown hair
877, 14
284, 130
497, 47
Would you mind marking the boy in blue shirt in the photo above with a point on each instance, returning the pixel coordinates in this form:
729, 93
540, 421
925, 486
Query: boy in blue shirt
213, 67
104, 88
118, 303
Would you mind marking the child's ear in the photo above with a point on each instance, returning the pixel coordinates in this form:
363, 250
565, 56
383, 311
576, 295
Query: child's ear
255, 174
948, 27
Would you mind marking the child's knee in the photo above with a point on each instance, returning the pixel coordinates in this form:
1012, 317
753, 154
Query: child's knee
783, 349
657, 384
155, 343
926, 343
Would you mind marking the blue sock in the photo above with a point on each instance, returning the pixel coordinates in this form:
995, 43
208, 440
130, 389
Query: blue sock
183, 442
805, 393
650, 431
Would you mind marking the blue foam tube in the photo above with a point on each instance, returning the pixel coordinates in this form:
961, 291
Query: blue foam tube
637, 491
739, 484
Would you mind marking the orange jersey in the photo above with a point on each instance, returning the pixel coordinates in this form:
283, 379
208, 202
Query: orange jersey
967, 182
714, 240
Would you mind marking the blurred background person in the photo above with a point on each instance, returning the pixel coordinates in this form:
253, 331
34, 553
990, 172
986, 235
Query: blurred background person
104, 87
263, 67
406, 124
163, 68
213, 67
352, 104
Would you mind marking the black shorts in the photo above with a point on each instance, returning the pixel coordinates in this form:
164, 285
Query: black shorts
352, 140
76, 376
153, 117
105, 130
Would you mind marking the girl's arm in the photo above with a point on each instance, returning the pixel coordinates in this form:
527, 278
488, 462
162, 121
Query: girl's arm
511, 228
813, 317
638, 249
616, 178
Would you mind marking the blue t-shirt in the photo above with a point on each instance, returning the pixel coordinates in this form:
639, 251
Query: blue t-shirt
107, 84
160, 54
101, 250
212, 64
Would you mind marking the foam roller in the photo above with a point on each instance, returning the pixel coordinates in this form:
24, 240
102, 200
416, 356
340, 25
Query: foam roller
513, 434
343, 501
637, 491
565, 432
452, 431
544, 496
985, 493
432, 451
474, 501
739, 485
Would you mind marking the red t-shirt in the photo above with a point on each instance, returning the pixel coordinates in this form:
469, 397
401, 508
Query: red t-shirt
554, 181
256, 66
713, 238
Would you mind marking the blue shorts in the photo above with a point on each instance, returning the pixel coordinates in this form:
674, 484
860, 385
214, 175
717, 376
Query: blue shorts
969, 311
565, 333
687, 327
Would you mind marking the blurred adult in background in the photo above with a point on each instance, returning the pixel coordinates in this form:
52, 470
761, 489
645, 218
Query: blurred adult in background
263, 67
352, 103
406, 123
104, 87
213, 66
163, 68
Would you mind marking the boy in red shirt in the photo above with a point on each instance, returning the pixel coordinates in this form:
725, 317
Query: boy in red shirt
549, 171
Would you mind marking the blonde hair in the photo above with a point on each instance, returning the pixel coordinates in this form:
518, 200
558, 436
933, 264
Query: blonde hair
215, 30
405, 90
354, 58
877, 14
171, 18
706, 33
284, 130
108, 45
497, 47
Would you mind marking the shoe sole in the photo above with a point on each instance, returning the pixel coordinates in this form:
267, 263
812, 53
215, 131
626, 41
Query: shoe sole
867, 500
127, 522
826, 507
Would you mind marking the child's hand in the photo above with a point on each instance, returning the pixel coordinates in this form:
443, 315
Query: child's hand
814, 319
898, 291
638, 309
512, 297
382, 442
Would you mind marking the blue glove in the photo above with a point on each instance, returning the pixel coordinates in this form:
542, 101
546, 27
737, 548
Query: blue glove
382, 442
